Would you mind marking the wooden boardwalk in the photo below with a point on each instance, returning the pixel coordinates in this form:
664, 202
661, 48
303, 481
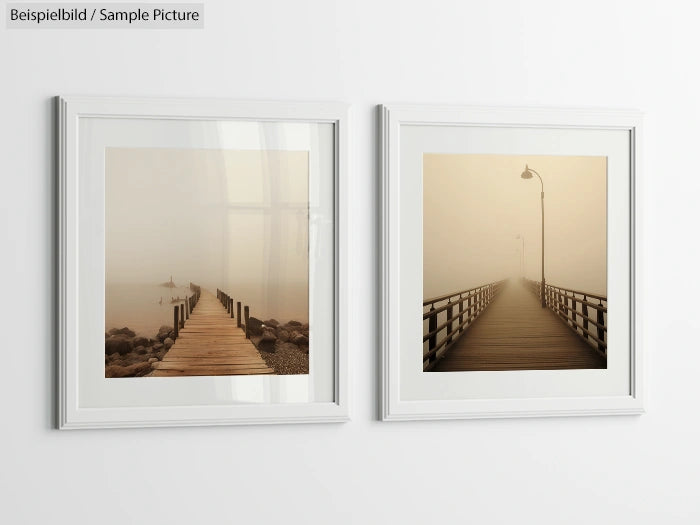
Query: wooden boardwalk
211, 344
516, 333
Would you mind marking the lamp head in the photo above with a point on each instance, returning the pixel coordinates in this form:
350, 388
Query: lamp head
526, 174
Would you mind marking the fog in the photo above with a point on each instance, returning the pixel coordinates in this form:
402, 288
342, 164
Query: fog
475, 207
236, 220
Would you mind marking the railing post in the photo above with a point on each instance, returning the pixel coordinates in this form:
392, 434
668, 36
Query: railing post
246, 313
469, 308
601, 323
182, 316
238, 314
228, 304
584, 311
461, 314
176, 321
187, 307
449, 323
230, 307
432, 340
573, 312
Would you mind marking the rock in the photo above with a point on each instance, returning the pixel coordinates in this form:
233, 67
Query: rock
138, 369
282, 334
305, 327
268, 335
140, 341
163, 332
157, 346
131, 358
115, 371
154, 364
122, 331
140, 349
255, 326
121, 344
106, 335
294, 323
286, 347
171, 334
274, 323
168, 343
299, 339
153, 360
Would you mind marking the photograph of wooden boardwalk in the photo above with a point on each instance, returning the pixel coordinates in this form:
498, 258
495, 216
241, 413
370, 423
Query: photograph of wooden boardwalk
513, 280
206, 261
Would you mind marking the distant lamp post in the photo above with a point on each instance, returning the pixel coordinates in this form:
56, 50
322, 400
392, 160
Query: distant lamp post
527, 174
522, 255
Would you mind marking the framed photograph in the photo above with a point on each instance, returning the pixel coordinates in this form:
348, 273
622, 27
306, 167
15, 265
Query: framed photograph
510, 267
201, 262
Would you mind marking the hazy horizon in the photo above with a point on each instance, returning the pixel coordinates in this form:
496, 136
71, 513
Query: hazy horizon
231, 219
475, 207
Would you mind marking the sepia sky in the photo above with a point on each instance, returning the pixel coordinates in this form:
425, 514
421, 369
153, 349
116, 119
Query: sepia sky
220, 218
474, 206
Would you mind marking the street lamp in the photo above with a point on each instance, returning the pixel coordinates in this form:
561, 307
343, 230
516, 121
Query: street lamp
527, 174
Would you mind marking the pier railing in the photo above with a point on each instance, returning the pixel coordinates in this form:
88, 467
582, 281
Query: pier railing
584, 312
446, 317
181, 312
229, 304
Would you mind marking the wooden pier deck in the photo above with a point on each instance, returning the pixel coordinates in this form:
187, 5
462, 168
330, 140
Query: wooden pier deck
211, 344
516, 333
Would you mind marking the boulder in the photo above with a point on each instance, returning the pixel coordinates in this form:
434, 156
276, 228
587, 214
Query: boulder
157, 346
286, 347
282, 334
294, 323
140, 349
163, 332
268, 335
138, 369
299, 339
140, 341
168, 343
153, 360
255, 326
115, 371
274, 323
305, 327
122, 331
171, 334
120, 344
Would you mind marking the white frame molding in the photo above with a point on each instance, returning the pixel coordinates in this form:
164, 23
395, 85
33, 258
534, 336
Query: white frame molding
70, 110
396, 408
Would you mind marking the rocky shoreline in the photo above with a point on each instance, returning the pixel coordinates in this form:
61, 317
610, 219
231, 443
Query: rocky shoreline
284, 347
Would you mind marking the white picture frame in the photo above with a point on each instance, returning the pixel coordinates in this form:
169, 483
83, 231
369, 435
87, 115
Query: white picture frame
409, 131
80, 404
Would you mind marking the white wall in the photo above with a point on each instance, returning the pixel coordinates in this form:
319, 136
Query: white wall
610, 53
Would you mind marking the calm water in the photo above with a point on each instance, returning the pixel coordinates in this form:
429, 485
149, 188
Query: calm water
144, 308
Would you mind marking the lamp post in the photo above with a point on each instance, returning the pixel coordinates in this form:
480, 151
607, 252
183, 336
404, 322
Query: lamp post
527, 174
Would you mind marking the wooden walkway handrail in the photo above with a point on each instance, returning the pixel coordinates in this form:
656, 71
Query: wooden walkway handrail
455, 322
181, 312
570, 305
233, 308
